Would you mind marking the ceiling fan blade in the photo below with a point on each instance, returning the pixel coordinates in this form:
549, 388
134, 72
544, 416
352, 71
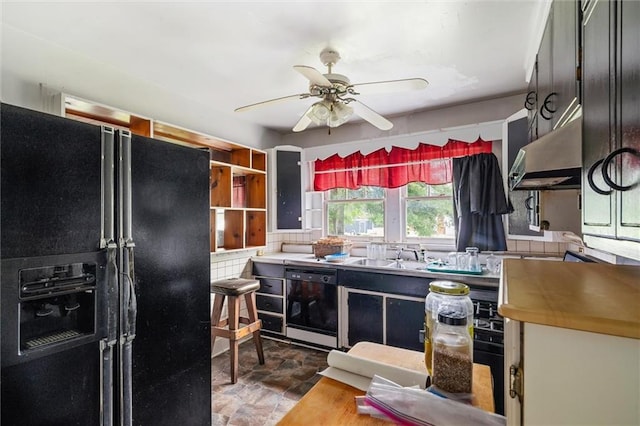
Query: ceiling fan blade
314, 76
304, 121
272, 101
389, 86
371, 116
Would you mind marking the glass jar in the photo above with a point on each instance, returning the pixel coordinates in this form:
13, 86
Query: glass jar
474, 261
452, 353
453, 294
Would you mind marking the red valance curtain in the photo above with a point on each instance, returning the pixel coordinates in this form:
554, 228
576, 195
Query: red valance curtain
427, 163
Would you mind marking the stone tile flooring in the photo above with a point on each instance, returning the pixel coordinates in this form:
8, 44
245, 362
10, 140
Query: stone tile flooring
263, 393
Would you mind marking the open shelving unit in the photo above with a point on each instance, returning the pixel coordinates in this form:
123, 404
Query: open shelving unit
238, 174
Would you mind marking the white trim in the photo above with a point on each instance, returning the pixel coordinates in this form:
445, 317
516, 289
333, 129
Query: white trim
488, 131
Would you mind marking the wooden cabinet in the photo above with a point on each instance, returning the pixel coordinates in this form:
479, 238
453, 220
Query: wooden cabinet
557, 65
611, 129
270, 297
286, 202
383, 318
313, 210
571, 342
382, 308
238, 174
526, 210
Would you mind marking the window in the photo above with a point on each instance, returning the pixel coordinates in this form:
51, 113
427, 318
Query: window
428, 211
356, 212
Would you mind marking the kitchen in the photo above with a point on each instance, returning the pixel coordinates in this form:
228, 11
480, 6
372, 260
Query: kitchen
485, 117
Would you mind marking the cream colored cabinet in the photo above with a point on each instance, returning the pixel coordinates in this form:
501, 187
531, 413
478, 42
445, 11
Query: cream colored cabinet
572, 343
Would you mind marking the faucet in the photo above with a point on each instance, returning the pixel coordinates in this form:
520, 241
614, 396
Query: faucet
398, 262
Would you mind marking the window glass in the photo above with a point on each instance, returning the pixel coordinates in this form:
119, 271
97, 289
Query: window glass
429, 211
356, 212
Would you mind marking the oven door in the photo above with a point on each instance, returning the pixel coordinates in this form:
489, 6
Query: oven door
312, 307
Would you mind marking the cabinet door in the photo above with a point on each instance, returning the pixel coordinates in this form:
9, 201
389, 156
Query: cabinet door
289, 190
545, 83
518, 220
564, 58
629, 93
598, 210
404, 320
365, 318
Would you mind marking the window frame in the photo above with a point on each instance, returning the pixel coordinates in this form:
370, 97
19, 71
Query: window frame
383, 200
448, 243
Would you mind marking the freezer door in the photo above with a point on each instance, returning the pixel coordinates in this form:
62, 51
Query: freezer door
50, 184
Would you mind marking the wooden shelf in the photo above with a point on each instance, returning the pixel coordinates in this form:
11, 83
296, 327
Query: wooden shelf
238, 173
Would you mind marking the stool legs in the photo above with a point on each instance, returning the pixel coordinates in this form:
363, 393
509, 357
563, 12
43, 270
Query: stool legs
234, 332
234, 321
250, 300
216, 313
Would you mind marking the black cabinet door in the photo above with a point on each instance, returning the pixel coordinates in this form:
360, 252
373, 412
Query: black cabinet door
524, 209
545, 82
404, 320
289, 190
365, 318
598, 67
629, 136
564, 57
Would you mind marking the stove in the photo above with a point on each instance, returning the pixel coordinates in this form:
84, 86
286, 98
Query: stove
488, 338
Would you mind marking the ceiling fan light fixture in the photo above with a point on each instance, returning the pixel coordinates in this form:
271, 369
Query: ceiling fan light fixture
319, 112
340, 114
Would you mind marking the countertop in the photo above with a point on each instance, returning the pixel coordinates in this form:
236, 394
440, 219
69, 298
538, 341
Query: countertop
411, 267
331, 402
594, 297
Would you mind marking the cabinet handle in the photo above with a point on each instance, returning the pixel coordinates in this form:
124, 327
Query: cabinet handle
530, 101
592, 184
605, 168
545, 106
526, 203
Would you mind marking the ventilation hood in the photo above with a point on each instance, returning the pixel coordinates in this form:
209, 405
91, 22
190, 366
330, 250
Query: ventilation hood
552, 162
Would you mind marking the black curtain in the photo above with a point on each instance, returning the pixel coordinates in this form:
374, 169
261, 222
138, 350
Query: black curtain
479, 203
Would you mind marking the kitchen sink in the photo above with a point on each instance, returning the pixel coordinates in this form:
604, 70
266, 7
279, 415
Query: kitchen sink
373, 262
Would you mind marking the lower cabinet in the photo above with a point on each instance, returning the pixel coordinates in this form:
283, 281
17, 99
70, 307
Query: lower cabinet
270, 297
382, 318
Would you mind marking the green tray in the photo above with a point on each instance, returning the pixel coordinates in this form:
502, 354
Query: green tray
436, 267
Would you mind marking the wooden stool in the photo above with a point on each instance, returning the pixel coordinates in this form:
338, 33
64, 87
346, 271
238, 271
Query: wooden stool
234, 288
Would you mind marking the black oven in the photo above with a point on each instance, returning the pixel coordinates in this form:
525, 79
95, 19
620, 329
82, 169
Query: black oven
312, 306
488, 337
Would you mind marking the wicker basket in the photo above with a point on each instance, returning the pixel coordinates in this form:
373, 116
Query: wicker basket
320, 250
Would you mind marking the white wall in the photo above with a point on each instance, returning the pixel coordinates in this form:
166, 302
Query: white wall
27, 61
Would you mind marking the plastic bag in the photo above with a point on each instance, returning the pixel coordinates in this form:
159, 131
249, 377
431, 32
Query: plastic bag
413, 406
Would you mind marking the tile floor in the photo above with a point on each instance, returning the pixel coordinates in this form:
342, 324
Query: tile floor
263, 393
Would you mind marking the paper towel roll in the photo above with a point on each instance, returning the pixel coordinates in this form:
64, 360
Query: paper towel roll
357, 372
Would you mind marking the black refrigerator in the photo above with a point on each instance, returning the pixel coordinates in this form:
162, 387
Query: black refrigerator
105, 271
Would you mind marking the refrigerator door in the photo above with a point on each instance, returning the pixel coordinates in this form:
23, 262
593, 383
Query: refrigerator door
54, 271
51, 184
170, 227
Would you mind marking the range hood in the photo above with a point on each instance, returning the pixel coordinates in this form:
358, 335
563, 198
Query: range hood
552, 162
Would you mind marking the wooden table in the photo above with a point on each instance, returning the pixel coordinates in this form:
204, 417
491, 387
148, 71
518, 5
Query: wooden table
331, 402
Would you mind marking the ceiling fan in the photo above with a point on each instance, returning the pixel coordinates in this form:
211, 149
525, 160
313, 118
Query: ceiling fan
336, 103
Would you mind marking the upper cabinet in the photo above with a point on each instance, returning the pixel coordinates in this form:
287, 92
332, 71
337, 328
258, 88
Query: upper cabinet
286, 202
558, 68
238, 174
611, 126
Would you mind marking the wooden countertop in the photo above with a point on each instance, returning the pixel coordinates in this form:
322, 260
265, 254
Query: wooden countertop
331, 402
595, 297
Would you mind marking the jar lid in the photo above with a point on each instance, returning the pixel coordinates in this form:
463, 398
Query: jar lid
449, 287
451, 317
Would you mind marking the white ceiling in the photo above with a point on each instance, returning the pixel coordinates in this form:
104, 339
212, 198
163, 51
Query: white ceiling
228, 54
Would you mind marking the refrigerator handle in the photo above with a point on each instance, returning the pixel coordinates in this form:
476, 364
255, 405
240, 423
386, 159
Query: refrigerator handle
125, 187
107, 196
